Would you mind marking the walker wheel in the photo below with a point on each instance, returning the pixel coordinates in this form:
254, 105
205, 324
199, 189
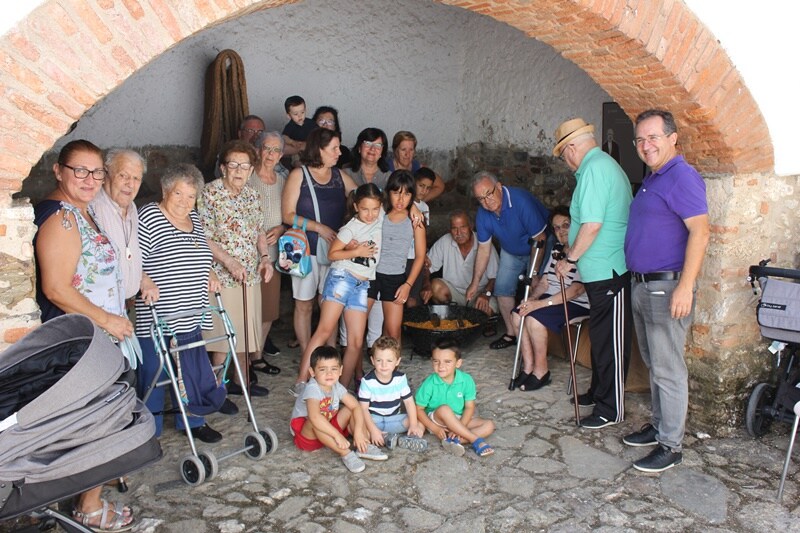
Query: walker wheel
271, 440
255, 446
192, 470
757, 418
210, 465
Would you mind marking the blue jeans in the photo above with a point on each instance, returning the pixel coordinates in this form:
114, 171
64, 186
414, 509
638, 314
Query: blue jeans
390, 424
662, 343
508, 271
344, 288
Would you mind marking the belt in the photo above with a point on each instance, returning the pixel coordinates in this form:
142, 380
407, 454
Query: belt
656, 276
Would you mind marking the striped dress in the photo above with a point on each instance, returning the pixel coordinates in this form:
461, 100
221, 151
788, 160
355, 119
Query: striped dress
178, 262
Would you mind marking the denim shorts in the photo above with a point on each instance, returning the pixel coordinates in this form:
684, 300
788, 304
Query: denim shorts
511, 266
391, 423
344, 288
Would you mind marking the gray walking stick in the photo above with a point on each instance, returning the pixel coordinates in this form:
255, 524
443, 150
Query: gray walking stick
538, 245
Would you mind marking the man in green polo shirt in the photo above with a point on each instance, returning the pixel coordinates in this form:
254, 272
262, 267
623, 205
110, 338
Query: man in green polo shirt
599, 213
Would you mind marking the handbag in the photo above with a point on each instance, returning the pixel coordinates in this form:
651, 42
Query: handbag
294, 257
322, 244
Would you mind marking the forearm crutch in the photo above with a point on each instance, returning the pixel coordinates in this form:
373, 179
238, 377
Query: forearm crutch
571, 352
537, 246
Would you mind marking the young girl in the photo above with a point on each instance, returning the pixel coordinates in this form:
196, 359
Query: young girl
354, 255
392, 285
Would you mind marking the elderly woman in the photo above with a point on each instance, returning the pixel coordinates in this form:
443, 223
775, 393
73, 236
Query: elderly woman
328, 117
116, 214
78, 272
331, 187
369, 163
544, 310
404, 148
177, 259
268, 180
233, 219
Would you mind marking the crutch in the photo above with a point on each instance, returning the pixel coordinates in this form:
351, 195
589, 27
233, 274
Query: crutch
571, 348
537, 245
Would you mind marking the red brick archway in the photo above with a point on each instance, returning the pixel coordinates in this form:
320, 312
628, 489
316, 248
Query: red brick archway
644, 54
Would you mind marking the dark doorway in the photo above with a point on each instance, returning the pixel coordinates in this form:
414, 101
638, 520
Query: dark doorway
617, 122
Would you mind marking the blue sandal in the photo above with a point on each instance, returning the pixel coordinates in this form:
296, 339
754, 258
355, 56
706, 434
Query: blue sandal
482, 448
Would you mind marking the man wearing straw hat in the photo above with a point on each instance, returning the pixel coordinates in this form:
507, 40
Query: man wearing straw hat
599, 213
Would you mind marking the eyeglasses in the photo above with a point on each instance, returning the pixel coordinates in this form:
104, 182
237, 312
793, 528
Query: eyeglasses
233, 165
326, 122
556, 227
564, 152
98, 174
375, 144
488, 196
124, 176
251, 131
639, 141
273, 149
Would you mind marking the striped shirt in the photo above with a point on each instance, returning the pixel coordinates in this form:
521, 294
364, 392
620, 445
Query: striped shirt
384, 398
554, 285
178, 262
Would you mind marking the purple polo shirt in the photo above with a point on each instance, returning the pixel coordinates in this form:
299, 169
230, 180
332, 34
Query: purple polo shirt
521, 216
656, 237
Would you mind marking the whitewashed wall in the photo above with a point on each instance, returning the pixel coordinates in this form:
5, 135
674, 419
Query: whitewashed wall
442, 72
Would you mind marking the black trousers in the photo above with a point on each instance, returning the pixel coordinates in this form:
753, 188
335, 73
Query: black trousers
610, 334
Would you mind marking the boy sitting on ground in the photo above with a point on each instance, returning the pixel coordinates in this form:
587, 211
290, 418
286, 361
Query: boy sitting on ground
446, 403
325, 414
381, 392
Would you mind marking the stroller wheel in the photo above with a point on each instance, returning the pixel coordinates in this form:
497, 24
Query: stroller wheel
192, 470
210, 465
271, 440
255, 446
758, 418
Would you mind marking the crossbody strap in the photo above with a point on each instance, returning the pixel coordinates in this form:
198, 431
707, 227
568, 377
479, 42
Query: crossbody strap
313, 194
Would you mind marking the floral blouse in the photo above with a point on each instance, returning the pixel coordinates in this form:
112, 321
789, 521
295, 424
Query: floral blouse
233, 222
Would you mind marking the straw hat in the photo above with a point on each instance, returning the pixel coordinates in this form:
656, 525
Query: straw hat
569, 130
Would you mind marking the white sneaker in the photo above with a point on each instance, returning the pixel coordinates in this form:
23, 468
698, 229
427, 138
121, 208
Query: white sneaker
353, 463
373, 453
297, 389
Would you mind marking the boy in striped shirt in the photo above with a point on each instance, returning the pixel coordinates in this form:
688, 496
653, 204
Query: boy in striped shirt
381, 393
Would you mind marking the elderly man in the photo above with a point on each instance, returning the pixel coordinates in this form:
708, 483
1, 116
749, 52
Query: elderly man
455, 254
670, 204
251, 127
514, 216
599, 218
115, 213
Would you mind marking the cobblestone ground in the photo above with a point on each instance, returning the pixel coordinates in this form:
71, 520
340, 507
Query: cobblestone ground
546, 474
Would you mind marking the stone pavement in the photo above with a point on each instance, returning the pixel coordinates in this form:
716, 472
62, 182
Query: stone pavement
546, 474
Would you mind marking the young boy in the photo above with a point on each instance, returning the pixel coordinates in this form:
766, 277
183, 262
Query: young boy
381, 392
446, 403
424, 178
325, 414
297, 129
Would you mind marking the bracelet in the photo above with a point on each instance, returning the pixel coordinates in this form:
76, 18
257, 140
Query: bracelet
267, 256
571, 261
407, 283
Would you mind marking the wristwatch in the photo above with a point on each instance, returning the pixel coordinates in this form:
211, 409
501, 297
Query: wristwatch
571, 261
488, 294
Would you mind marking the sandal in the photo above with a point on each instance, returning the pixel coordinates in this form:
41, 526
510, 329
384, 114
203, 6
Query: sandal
503, 342
262, 365
111, 520
482, 448
294, 343
534, 383
453, 445
490, 329
521, 378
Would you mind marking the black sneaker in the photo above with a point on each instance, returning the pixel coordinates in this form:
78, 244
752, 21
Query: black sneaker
646, 436
659, 460
270, 348
229, 408
596, 422
206, 434
586, 400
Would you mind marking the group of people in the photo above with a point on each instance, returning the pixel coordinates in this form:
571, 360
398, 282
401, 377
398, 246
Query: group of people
100, 257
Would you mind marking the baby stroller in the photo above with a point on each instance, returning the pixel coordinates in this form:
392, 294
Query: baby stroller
196, 467
778, 314
69, 418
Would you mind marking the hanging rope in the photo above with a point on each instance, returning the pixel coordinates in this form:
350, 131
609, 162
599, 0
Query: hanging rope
225, 104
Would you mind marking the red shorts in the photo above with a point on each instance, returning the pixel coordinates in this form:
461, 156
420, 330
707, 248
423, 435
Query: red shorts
309, 445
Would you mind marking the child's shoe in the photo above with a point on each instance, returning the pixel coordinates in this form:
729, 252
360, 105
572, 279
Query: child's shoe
373, 453
415, 444
353, 463
453, 445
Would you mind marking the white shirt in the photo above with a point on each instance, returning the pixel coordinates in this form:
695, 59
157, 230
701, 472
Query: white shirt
122, 231
458, 269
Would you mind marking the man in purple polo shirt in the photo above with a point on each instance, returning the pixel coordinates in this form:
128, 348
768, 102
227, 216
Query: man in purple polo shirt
664, 249
514, 216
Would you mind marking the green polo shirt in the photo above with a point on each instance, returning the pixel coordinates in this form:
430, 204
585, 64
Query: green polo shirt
603, 194
434, 392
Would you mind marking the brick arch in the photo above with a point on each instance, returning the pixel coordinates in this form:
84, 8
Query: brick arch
656, 53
